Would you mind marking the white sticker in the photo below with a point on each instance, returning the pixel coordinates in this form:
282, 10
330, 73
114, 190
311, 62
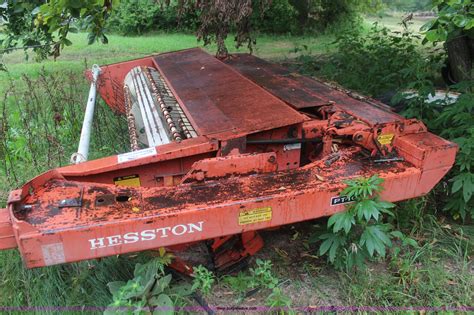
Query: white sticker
293, 146
135, 155
53, 254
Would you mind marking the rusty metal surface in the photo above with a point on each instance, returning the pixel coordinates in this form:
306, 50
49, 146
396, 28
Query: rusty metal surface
46, 214
302, 92
232, 165
114, 220
218, 99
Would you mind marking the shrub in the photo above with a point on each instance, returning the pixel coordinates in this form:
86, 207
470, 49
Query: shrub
203, 279
149, 290
134, 17
454, 25
280, 18
362, 232
453, 121
379, 61
260, 277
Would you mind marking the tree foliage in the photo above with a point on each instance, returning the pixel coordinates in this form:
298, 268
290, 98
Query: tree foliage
44, 25
454, 26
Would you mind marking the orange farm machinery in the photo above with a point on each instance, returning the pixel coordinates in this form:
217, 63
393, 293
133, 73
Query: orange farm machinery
219, 150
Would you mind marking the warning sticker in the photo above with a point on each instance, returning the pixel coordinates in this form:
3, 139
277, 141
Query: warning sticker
385, 139
135, 155
255, 215
53, 254
130, 181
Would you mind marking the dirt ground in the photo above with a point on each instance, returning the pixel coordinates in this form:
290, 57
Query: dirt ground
303, 276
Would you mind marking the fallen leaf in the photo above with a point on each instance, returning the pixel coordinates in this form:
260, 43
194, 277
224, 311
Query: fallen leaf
281, 252
295, 236
321, 178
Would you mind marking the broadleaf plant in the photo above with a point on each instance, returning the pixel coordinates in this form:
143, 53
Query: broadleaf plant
361, 232
149, 291
203, 279
260, 277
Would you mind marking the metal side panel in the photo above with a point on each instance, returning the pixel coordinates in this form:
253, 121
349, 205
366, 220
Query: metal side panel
302, 92
7, 237
218, 100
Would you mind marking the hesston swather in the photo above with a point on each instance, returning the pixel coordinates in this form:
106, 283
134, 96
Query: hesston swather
220, 150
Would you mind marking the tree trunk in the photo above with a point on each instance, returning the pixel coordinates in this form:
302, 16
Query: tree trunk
460, 57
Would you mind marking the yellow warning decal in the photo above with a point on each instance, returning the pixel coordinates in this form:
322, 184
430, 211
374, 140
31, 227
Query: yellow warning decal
255, 215
385, 139
130, 181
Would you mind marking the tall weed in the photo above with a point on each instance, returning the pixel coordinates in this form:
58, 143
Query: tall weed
40, 126
453, 120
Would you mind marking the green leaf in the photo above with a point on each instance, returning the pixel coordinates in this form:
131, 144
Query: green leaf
333, 250
411, 242
456, 185
467, 191
397, 234
469, 25
375, 240
367, 240
195, 286
66, 41
163, 304
183, 289
140, 270
381, 235
437, 35
325, 246
342, 220
36, 11
104, 39
367, 209
331, 244
385, 204
460, 20
161, 284
115, 286
427, 25
91, 37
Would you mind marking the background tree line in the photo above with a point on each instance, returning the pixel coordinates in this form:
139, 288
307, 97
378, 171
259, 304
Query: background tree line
295, 17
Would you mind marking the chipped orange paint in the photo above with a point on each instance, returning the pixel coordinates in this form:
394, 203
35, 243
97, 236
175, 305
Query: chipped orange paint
230, 181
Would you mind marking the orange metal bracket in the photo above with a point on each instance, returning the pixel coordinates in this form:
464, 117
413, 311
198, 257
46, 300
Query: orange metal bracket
7, 237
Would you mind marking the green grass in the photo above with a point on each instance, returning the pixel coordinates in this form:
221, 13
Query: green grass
122, 48
438, 273
77, 284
